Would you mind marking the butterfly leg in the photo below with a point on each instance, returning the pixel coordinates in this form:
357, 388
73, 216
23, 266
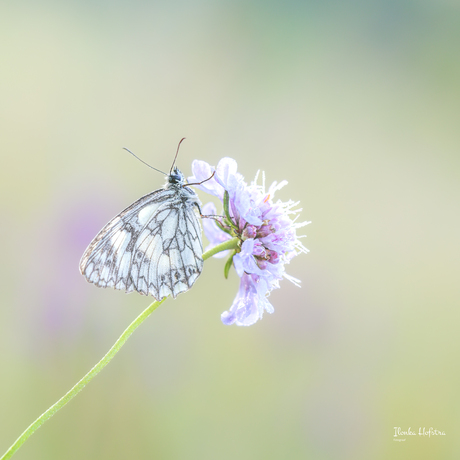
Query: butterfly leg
199, 183
211, 216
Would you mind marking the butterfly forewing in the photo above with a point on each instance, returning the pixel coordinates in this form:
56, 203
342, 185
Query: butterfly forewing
153, 247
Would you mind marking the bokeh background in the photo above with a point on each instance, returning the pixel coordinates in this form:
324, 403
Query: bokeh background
356, 104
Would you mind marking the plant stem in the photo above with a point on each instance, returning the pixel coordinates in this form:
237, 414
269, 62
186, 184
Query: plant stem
231, 244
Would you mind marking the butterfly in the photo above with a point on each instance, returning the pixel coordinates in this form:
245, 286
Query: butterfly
154, 246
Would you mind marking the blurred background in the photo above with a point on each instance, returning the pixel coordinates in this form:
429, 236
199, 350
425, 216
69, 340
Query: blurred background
356, 104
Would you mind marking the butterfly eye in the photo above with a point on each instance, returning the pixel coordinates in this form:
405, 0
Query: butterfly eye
175, 178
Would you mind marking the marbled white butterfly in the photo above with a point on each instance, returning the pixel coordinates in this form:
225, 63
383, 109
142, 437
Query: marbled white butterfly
153, 247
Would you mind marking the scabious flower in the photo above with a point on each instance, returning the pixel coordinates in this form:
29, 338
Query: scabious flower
267, 231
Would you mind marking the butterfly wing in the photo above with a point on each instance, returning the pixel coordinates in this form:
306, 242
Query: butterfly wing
168, 253
153, 247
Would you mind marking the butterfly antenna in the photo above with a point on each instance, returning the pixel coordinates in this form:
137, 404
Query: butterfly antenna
142, 161
177, 151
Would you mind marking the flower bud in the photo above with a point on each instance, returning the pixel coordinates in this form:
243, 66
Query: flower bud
250, 231
273, 257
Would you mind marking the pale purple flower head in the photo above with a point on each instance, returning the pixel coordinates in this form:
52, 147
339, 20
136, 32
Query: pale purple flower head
266, 229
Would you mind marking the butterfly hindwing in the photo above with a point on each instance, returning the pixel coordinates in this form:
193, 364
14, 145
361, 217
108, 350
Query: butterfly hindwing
153, 247
168, 253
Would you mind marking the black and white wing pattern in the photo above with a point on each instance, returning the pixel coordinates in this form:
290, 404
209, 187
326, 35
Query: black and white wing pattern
153, 247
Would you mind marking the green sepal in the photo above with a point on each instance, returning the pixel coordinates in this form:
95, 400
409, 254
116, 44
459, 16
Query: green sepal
224, 229
228, 220
226, 208
228, 264
226, 201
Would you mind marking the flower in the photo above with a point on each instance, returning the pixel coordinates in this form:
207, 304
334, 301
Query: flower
266, 230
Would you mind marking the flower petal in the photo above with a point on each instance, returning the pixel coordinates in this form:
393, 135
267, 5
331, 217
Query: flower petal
249, 304
225, 170
201, 172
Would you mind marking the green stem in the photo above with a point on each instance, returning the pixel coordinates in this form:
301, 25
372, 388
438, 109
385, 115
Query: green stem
231, 244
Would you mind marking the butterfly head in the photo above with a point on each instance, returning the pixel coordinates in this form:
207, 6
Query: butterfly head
176, 178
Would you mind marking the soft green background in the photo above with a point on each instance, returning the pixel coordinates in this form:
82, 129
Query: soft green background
357, 104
